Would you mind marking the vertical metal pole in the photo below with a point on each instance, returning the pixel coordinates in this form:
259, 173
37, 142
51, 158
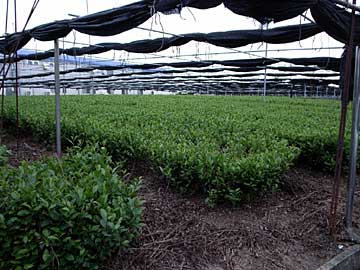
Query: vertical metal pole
342, 126
17, 96
16, 85
305, 90
3, 78
3, 93
354, 142
57, 98
265, 70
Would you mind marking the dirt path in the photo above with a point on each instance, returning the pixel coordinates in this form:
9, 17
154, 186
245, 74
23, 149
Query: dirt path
285, 230
24, 148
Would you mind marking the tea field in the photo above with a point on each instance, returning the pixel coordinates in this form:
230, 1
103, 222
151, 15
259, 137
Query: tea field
229, 148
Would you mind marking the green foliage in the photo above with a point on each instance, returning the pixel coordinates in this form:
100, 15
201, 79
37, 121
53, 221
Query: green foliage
68, 214
4, 155
230, 148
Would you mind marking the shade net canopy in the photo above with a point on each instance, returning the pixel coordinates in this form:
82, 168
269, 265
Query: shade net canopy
229, 39
243, 65
161, 76
332, 19
261, 10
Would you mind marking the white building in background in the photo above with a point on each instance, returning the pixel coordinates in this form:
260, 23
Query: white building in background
30, 67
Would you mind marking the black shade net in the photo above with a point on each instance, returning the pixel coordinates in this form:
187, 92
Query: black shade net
332, 19
147, 83
247, 65
126, 77
230, 39
261, 10
105, 23
336, 21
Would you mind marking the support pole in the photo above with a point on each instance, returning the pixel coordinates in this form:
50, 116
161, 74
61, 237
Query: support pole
265, 70
16, 89
2, 99
342, 126
57, 98
354, 143
3, 78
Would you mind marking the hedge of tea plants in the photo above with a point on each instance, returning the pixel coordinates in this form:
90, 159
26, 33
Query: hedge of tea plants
230, 148
4, 155
68, 214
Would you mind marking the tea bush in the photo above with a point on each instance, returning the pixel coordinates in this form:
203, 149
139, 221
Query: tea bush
228, 148
65, 214
4, 155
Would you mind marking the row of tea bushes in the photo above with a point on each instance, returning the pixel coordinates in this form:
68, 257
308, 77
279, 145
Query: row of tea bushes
66, 214
230, 148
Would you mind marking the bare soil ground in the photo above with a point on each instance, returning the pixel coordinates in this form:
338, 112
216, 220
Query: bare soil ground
284, 230
23, 148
